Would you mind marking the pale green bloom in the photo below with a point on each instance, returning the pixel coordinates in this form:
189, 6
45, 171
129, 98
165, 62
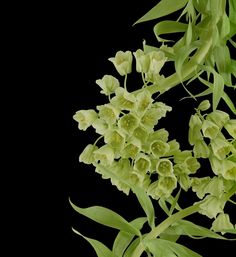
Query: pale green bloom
105, 155
123, 99
199, 186
181, 156
195, 125
192, 164
220, 147
160, 134
204, 105
87, 156
142, 163
229, 170
215, 186
164, 167
200, 149
184, 181
157, 61
108, 84
131, 149
230, 126
222, 222
100, 126
166, 185
142, 61
181, 168
122, 62
128, 123
115, 138
144, 100
109, 113
220, 118
216, 164
174, 148
212, 206
159, 148
209, 129
85, 118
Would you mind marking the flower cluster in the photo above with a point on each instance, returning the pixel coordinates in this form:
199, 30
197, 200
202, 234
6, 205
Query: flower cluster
213, 136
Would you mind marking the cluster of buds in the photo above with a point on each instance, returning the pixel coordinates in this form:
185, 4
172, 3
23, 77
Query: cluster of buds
213, 136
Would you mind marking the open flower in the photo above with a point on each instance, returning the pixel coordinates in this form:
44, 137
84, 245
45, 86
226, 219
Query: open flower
195, 125
144, 100
157, 61
115, 138
142, 61
164, 167
87, 156
142, 163
221, 223
230, 126
229, 170
128, 123
220, 147
109, 113
166, 185
108, 84
85, 118
122, 62
210, 129
105, 155
200, 149
123, 99
192, 164
159, 148
220, 118
131, 149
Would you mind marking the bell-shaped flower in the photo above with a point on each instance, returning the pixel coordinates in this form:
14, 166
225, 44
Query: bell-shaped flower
199, 186
210, 129
141, 134
221, 223
131, 149
159, 148
181, 156
180, 168
104, 155
204, 105
123, 99
195, 125
128, 123
109, 113
167, 185
87, 156
230, 126
100, 126
174, 148
142, 61
220, 147
220, 118
160, 134
115, 138
201, 149
108, 84
216, 164
229, 170
192, 164
184, 181
85, 118
157, 61
142, 163
215, 186
164, 167
122, 62
144, 100
211, 206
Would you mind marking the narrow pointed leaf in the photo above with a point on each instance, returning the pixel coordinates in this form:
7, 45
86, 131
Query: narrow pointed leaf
173, 205
123, 239
218, 90
100, 249
163, 8
106, 217
129, 251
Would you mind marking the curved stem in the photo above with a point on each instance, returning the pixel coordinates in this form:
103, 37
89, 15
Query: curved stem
164, 225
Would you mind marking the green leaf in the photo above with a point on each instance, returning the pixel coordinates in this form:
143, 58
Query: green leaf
107, 217
229, 102
189, 33
167, 27
218, 89
123, 239
163, 206
163, 8
100, 249
161, 247
131, 248
176, 198
146, 204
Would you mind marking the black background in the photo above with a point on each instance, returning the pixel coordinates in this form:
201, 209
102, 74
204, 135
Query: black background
66, 46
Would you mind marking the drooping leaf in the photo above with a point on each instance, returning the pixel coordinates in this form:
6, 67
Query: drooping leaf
163, 8
129, 251
123, 239
218, 89
146, 204
106, 217
100, 249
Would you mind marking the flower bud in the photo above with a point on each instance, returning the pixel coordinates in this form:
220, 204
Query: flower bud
108, 84
122, 62
194, 133
204, 105
85, 118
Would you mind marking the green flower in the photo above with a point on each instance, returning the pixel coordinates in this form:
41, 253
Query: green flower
166, 185
216, 164
142, 61
131, 149
164, 167
100, 126
144, 100
159, 148
195, 125
87, 156
85, 118
174, 148
115, 139
141, 134
128, 123
123, 99
230, 126
199, 186
204, 105
222, 222
181, 156
180, 169
220, 118
122, 62
108, 84
109, 113
229, 170
220, 147
200, 149
157, 61
184, 181
212, 206
160, 134
192, 164
142, 163
209, 129
105, 155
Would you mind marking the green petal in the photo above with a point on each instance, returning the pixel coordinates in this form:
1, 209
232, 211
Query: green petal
209, 129
87, 156
159, 148
230, 126
229, 170
108, 84
220, 147
105, 155
131, 149
85, 118
108, 113
128, 123
144, 100
115, 138
220, 118
142, 163
142, 61
123, 99
222, 222
192, 164
100, 126
164, 167
200, 149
